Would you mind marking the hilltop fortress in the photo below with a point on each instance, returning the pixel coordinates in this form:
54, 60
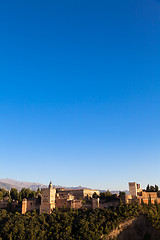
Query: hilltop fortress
77, 198
51, 198
136, 194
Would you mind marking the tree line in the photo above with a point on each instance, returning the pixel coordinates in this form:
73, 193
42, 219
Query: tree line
64, 224
14, 194
106, 196
151, 188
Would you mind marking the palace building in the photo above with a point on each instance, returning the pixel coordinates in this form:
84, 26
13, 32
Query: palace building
51, 198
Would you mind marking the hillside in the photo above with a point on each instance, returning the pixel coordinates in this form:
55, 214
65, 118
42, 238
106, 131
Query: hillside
8, 183
5, 185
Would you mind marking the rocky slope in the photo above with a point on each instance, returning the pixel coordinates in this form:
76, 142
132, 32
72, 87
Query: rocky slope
135, 229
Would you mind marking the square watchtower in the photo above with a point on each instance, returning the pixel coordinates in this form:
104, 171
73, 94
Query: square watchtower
48, 199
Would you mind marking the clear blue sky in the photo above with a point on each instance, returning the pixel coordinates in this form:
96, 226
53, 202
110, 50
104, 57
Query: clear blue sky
80, 92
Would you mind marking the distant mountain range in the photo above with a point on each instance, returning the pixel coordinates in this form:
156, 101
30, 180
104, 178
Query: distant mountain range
8, 183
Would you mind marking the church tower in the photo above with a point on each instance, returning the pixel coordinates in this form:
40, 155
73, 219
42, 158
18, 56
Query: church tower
48, 199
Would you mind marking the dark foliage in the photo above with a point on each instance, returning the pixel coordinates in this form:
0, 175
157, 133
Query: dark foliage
151, 188
64, 224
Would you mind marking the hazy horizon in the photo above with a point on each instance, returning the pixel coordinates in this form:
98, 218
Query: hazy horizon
16, 183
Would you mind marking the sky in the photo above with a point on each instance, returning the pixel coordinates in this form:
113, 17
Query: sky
80, 92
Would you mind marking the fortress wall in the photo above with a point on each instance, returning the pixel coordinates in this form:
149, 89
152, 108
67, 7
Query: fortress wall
109, 204
147, 194
60, 203
33, 204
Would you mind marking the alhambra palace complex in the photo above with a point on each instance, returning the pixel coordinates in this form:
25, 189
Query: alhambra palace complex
136, 194
51, 198
57, 198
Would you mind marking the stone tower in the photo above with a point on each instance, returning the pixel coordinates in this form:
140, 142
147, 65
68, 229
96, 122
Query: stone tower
48, 199
133, 188
24, 206
95, 203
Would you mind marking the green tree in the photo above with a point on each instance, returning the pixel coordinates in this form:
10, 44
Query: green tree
152, 188
156, 188
95, 195
147, 188
3, 193
14, 194
149, 200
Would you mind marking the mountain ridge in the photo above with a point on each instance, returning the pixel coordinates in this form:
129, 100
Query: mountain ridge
8, 183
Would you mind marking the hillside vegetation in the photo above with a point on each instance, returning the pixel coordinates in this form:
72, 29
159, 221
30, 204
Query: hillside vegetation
64, 224
139, 222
